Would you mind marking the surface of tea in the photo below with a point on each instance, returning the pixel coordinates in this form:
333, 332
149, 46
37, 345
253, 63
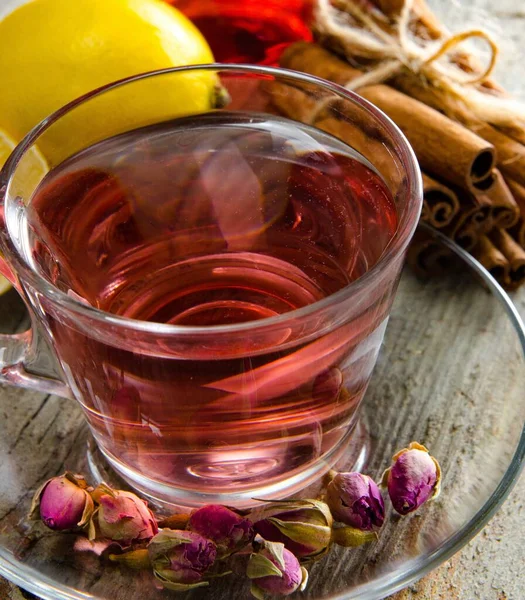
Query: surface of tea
217, 219
249, 31
212, 220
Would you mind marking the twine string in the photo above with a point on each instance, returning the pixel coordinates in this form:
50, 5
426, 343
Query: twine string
395, 51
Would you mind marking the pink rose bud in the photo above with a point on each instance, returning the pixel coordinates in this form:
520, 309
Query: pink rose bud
229, 531
122, 516
355, 500
275, 571
414, 478
303, 526
63, 503
180, 559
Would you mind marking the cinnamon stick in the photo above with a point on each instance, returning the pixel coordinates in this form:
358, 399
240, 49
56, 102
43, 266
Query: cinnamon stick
316, 60
428, 19
391, 8
427, 257
504, 208
443, 147
516, 133
474, 218
441, 202
296, 103
510, 152
514, 254
472, 221
425, 212
492, 259
359, 140
518, 192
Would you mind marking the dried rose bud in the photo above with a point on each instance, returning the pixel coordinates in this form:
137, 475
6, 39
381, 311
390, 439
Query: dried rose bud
275, 571
414, 478
229, 531
63, 503
122, 516
303, 526
355, 500
180, 559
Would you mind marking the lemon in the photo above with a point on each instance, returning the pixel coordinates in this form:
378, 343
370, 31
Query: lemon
53, 51
30, 171
6, 146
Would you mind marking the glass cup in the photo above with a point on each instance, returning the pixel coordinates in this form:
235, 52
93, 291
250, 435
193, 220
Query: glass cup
251, 385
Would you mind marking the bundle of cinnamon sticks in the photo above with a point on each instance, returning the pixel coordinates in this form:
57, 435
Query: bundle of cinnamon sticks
473, 164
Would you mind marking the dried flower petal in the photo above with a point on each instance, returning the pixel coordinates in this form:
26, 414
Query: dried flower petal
101, 547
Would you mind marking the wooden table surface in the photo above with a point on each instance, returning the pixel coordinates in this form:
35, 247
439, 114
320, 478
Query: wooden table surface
492, 565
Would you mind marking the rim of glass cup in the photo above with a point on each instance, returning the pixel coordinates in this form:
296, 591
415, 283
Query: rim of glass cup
398, 244
412, 570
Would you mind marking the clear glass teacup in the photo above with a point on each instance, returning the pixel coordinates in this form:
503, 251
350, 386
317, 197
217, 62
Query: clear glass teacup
210, 281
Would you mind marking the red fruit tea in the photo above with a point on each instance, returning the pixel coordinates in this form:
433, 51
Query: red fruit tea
216, 220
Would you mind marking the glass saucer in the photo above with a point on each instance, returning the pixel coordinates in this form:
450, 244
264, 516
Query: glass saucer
450, 375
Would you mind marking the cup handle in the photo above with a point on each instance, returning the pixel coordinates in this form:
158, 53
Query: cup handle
16, 368
25, 358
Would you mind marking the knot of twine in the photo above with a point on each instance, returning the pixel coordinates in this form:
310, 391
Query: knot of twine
396, 51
